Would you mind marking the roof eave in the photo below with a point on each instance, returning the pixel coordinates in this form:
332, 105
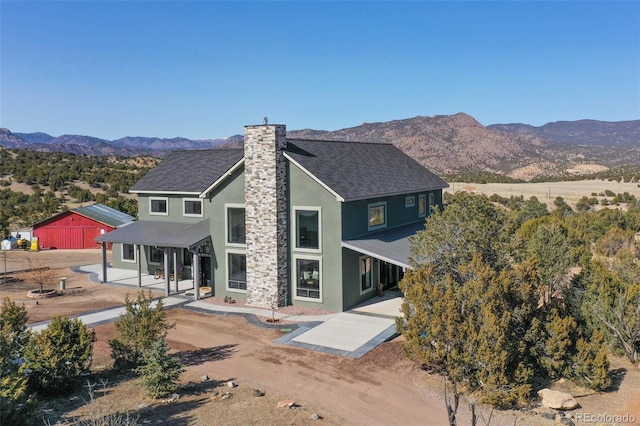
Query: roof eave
339, 197
221, 179
391, 194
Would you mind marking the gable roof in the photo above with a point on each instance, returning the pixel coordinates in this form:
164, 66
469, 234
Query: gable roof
188, 172
349, 170
357, 170
98, 212
105, 214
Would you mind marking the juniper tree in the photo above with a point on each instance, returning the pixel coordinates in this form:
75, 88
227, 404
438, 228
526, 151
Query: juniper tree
15, 402
59, 354
137, 330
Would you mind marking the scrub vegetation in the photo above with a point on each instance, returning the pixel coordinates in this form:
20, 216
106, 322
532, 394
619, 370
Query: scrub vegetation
55, 179
504, 300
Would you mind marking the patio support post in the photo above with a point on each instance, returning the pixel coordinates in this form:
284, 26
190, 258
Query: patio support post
139, 265
104, 262
195, 270
175, 268
166, 271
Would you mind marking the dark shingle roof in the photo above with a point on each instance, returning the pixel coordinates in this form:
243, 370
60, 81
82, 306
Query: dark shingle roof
188, 171
356, 170
353, 170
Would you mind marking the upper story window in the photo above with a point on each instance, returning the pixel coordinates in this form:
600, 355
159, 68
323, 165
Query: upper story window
377, 215
192, 207
431, 202
235, 225
307, 228
422, 205
159, 206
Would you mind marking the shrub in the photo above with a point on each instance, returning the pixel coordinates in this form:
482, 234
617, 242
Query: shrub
16, 406
58, 355
137, 330
160, 372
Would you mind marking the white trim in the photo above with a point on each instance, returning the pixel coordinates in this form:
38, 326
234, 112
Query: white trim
122, 253
227, 206
312, 176
228, 173
370, 289
294, 231
198, 200
226, 259
152, 213
297, 257
409, 201
386, 211
426, 207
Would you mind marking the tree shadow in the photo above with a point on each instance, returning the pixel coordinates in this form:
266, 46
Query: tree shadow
172, 413
616, 376
199, 356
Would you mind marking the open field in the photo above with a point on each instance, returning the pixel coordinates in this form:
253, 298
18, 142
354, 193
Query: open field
546, 192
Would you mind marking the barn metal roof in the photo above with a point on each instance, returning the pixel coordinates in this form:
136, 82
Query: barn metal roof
160, 234
391, 245
105, 214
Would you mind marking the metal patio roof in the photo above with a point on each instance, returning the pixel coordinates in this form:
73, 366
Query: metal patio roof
391, 245
160, 234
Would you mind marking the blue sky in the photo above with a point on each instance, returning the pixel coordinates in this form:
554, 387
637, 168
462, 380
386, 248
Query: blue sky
204, 69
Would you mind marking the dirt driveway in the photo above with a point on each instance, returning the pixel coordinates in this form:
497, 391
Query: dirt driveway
381, 388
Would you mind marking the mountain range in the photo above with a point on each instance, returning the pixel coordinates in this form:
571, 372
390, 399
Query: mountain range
443, 143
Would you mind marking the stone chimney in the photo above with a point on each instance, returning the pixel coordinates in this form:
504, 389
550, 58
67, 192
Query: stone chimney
265, 214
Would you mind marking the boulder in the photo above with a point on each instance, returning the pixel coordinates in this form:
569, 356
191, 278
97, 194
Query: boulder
557, 400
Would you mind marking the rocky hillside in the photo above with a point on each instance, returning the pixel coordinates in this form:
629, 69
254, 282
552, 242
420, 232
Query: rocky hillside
458, 143
444, 143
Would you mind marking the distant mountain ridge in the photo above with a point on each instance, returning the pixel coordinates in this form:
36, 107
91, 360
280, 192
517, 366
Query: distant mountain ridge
581, 132
127, 146
443, 143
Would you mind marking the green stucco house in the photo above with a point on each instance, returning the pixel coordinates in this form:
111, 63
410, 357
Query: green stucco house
320, 224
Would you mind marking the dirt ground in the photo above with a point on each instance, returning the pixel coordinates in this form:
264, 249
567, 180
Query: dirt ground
381, 388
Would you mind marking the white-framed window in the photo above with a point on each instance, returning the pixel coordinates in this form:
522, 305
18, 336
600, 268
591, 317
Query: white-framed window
128, 253
236, 271
422, 205
377, 215
235, 224
308, 278
159, 206
431, 202
156, 255
366, 274
307, 228
409, 201
192, 207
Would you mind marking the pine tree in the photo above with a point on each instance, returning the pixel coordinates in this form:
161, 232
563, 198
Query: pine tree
160, 371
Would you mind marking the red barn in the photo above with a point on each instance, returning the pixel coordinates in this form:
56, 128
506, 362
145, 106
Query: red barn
77, 228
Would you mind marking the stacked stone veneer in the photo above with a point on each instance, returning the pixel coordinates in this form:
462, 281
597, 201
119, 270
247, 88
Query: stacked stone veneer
265, 214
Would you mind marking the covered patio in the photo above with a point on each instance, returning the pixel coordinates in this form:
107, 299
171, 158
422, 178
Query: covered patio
165, 236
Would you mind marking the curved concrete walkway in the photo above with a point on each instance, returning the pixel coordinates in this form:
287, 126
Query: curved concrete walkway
352, 333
